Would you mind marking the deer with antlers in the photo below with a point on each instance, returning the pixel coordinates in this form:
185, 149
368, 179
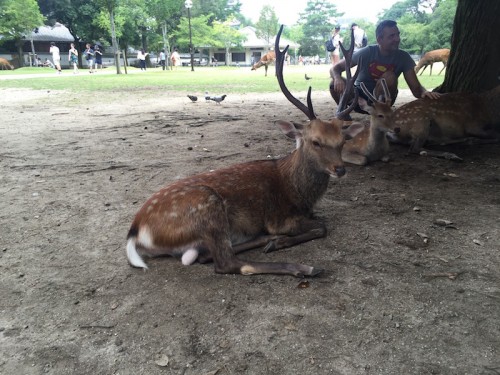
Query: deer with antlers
215, 215
266, 60
431, 57
371, 144
452, 118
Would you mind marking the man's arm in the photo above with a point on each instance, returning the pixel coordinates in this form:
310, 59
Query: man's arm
416, 87
336, 74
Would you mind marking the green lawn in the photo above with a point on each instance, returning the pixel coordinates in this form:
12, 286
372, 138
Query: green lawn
222, 79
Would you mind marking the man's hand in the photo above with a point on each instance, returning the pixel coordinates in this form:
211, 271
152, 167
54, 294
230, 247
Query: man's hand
339, 85
430, 94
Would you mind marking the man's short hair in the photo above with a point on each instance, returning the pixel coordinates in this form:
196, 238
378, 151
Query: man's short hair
382, 25
52, 44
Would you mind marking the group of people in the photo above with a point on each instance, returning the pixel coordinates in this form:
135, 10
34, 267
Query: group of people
174, 57
93, 56
381, 60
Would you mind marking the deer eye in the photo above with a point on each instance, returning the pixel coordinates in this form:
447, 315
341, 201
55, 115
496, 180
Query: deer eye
316, 144
380, 116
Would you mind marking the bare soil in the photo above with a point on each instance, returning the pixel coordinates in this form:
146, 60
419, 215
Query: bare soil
401, 293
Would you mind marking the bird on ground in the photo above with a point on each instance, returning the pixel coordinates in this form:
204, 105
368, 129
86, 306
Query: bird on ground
218, 99
306, 77
207, 97
193, 98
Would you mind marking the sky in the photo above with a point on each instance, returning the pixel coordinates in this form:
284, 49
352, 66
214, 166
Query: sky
288, 10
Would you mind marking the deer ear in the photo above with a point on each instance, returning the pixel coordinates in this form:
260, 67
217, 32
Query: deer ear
363, 104
290, 129
352, 130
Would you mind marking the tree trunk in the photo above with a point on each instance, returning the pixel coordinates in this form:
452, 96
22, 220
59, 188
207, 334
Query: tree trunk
474, 63
114, 41
19, 44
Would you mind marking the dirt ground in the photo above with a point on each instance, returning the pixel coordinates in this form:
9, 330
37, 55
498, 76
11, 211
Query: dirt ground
401, 294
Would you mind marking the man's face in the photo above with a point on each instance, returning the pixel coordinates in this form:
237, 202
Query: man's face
389, 40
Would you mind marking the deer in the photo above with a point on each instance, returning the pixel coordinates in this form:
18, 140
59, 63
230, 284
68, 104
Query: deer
5, 64
429, 58
216, 215
265, 61
452, 118
371, 144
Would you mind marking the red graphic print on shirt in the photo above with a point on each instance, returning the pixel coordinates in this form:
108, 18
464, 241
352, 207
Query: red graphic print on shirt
377, 69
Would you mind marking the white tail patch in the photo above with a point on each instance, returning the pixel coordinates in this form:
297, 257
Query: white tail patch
189, 256
133, 256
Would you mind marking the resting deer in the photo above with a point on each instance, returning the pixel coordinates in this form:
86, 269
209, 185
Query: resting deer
449, 119
371, 144
438, 55
215, 215
265, 61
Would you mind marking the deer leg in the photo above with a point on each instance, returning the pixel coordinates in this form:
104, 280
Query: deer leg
299, 231
214, 231
440, 155
265, 67
356, 159
444, 66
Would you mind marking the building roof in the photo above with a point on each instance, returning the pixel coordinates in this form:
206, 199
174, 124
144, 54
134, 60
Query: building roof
254, 42
56, 33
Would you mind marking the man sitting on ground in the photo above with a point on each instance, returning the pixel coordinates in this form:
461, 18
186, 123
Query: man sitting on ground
384, 60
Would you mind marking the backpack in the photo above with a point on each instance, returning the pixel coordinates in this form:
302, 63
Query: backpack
364, 43
329, 45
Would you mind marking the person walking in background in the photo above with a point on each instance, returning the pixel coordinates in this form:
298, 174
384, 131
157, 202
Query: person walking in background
98, 57
73, 58
336, 39
89, 56
141, 56
176, 58
162, 59
56, 56
360, 39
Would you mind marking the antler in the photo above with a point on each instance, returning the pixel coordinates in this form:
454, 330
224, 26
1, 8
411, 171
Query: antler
280, 60
387, 94
342, 111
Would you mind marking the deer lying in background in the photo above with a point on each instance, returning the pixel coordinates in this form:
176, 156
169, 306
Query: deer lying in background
438, 55
265, 61
215, 215
371, 144
449, 119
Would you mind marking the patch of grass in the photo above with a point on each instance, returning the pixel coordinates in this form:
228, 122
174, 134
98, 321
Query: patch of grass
214, 80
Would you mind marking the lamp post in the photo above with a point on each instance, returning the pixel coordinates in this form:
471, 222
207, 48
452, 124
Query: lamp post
189, 4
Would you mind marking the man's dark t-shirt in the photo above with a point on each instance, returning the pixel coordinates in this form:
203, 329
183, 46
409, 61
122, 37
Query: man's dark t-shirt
374, 64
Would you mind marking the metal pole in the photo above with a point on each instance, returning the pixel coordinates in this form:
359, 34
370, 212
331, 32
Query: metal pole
191, 41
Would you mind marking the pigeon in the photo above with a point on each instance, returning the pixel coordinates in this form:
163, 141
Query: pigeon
207, 97
193, 98
218, 99
306, 77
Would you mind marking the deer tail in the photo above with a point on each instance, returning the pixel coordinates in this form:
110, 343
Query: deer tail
133, 256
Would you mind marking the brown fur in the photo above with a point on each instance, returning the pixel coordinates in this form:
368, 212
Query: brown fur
452, 117
265, 60
5, 65
438, 55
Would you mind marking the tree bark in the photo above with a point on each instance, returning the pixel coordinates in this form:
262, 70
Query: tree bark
474, 64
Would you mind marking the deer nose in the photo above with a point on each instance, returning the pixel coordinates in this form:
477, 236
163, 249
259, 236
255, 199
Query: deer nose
397, 130
340, 171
